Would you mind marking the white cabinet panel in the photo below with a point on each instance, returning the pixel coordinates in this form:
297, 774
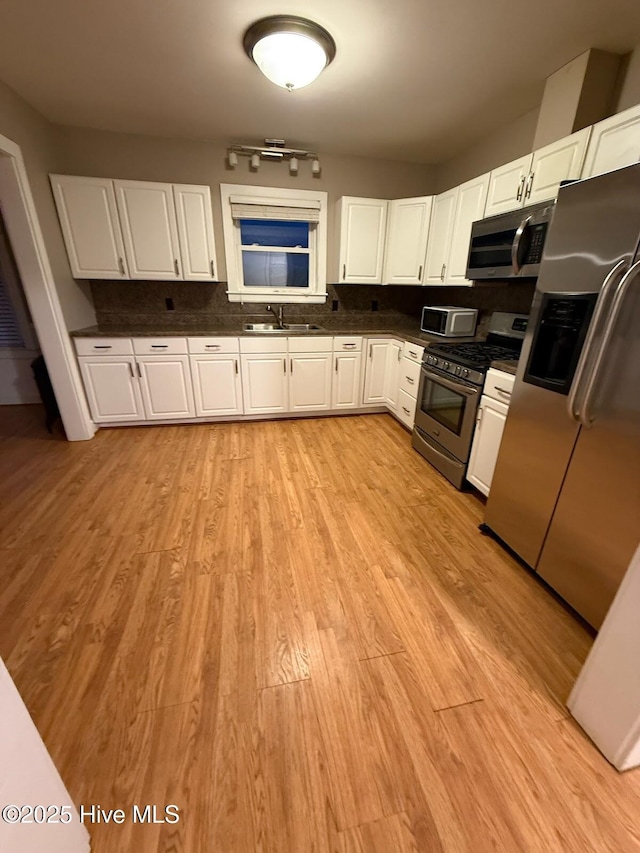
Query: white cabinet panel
409, 376
491, 419
362, 224
406, 409
104, 346
165, 381
470, 205
160, 346
112, 387
90, 226
148, 219
615, 143
265, 383
413, 351
375, 380
213, 346
310, 381
507, 186
392, 380
440, 234
217, 385
346, 380
195, 232
347, 343
314, 343
560, 161
406, 246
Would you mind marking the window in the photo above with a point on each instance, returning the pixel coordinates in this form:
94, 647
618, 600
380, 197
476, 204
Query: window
275, 244
16, 329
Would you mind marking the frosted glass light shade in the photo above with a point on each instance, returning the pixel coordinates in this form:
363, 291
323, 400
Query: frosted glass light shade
290, 51
290, 60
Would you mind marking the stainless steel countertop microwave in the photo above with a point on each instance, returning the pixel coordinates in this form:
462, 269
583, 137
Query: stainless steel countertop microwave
450, 321
509, 245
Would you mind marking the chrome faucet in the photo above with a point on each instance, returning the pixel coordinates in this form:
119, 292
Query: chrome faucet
279, 314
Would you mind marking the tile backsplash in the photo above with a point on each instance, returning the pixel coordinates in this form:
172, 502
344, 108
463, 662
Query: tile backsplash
157, 303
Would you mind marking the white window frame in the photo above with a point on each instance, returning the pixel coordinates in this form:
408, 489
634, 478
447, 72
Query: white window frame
236, 289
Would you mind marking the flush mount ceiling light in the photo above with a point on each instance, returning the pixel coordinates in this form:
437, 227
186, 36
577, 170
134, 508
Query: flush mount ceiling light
290, 51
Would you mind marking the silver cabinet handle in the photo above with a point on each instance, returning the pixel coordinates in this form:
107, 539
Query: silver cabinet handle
159, 346
131, 370
420, 273
344, 271
212, 346
139, 370
410, 380
370, 350
175, 266
444, 266
503, 390
284, 364
479, 415
121, 266
236, 362
529, 185
336, 364
602, 305
404, 409
587, 417
515, 246
292, 367
400, 354
348, 346
102, 346
520, 188
413, 354
213, 270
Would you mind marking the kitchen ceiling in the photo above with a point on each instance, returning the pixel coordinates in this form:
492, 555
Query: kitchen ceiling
416, 80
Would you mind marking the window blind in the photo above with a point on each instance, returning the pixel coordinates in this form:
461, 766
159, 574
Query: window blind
285, 209
10, 335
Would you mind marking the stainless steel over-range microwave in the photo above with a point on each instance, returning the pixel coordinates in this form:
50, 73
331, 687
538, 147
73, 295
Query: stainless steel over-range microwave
509, 245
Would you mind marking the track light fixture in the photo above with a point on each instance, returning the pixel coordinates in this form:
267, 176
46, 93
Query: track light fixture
273, 149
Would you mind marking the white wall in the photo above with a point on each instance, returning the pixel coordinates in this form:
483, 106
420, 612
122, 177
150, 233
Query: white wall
28, 776
17, 385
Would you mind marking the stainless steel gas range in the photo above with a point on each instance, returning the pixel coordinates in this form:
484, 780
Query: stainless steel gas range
451, 381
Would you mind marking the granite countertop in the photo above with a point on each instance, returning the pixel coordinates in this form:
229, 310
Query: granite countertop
410, 335
506, 366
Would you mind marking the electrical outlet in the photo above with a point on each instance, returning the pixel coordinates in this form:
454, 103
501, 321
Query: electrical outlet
374, 304
334, 305
168, 302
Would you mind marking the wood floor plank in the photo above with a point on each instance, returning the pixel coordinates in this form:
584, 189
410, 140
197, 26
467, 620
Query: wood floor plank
295, 632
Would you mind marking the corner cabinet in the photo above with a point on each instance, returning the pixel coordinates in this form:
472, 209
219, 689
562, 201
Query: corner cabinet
136, 229
615, 143
406, 245
361, 225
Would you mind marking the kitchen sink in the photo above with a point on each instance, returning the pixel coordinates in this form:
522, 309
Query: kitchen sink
273, 328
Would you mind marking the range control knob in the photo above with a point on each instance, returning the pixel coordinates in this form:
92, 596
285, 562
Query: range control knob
465, 372
446, 365
458, 370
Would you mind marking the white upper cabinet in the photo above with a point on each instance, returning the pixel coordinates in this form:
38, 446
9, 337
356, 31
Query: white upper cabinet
440, 235
362, 224
470, 205
90, 226
406, 246
148, 219
507, 186
615, 143
562, 160
195, 232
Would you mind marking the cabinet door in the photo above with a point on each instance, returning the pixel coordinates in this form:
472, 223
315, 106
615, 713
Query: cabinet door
346, 380
90, 226
165, 381
363, 223
217, 385
472, 198
507, 186
406, 247
615, 143
113, 388
148, 219
195, 232
440, 233
392, 380
310, 381
490, 422
265, 383
560, 161
375, 379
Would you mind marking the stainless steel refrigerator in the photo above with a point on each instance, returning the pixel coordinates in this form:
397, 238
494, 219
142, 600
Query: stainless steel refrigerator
566, 490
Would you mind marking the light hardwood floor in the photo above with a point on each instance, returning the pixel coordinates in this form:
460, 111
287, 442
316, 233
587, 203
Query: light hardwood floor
294, 631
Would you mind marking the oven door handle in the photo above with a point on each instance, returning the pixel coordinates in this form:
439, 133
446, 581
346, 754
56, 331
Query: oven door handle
448, 383
515, 246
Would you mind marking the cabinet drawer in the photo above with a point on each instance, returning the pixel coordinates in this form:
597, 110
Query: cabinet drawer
406, 410
263, 344
499, 385
413, 351
343, 343
310, 344
409, 377
160, 346
213, 345
103, 346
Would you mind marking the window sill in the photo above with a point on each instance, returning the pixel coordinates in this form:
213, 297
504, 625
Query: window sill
269, 296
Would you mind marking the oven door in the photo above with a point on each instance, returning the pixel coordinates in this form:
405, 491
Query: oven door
446, 411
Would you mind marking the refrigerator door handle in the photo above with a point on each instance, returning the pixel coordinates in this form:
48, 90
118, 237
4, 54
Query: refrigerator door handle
586, 415
601, 305
515, 247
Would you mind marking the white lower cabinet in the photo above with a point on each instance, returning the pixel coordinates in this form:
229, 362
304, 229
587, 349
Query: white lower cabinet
346, 380
165, 382
310, 381
112, 387
265, 383
490, 421
375, 376
392, 380
217, 385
